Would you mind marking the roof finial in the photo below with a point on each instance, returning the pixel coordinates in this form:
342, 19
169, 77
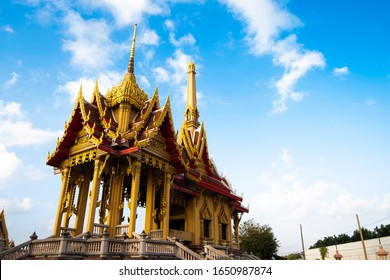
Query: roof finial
130, 68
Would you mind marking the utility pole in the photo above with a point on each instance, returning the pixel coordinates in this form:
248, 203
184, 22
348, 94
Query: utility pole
303, 245
361, 237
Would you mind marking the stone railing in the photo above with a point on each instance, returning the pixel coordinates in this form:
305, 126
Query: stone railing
103, 247
235, 246
214, 254
72, 231
67, 247
250, 256
18, 252
156, 234
183, 252
98, 229
182, 235
122, 230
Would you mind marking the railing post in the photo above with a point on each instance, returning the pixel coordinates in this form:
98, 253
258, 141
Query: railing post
64, 242
33, 237
104, 245
143, 243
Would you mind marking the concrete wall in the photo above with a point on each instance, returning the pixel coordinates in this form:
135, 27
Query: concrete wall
353, 250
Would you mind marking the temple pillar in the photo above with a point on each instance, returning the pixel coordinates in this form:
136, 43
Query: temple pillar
94, 196
65, 172
195, 217
69, 197
82, 201
167, 200
216, 224
236, 235
229, 234
149, 202
134, 196
116, 202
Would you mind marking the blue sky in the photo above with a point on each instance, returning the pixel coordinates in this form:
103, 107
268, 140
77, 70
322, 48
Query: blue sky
295, 96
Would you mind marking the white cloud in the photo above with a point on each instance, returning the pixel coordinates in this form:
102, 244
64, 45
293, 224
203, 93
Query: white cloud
296, 62
286, 156
286, 191
149, 37
9, 163
289, 195
265, 21
340, 72
90, 49
106, 81
170, 25
175, 73
161, 74
12, 81
8, 29
144, 81
34, 173
16, 130
178, 64
185, 40
16, 206
127, 12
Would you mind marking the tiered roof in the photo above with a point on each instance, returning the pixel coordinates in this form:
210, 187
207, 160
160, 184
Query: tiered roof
188, 153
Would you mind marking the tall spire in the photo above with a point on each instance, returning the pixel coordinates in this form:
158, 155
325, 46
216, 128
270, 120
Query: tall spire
130, 68
191, 113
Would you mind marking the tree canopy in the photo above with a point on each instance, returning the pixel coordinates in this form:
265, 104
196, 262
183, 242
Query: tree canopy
258, 240
381, 231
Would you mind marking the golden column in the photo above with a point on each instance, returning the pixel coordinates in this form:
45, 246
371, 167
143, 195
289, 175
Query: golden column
94, 195
65, 173
237, 219
82, 201
149, 202
134, 196
116, 201
167, 200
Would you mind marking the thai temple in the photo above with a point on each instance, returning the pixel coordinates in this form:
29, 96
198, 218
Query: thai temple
119, 153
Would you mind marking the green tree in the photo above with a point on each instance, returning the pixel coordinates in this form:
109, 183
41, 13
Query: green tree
258, 239
343, 238
294, 256
323, 252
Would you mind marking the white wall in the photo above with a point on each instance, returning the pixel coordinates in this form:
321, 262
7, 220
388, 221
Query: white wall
353, 250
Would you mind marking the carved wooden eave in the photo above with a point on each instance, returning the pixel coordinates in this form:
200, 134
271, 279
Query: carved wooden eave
157, 136
106, 117
79, 119
196, 148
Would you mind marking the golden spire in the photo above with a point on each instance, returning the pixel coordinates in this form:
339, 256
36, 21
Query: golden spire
96, 88
128, 90
191, 113
130, 68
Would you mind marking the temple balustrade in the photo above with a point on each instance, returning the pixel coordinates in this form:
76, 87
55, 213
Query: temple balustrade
183, 252
103, 247
121, 230
156, 234
89, 247
215, 254
182, 235
98, 229
17, 252
72, 231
